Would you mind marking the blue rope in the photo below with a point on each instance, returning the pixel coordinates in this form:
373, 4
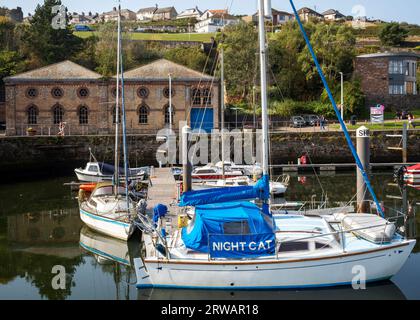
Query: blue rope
346, 133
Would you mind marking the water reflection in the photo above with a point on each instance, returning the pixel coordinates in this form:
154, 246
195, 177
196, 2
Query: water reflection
380, 291
40, 227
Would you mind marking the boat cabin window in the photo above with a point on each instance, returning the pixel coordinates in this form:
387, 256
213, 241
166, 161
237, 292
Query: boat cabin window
239, 227
205, 171
320, 245
294, 246
242, 183
93, 169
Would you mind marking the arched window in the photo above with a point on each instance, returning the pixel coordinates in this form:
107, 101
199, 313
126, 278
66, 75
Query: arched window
32, 115
206, 97
143, 114
196, 97
83, 115
167, 117
58, 113
114, 113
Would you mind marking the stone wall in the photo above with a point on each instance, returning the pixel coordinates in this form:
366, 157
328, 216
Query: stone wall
60, 155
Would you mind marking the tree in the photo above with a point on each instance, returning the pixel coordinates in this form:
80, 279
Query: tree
10, 63
7, 33
392, 34
193, 58
241, 66
46, 44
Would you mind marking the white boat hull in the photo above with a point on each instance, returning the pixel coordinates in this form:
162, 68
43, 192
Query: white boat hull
86, 177
110, 227
344, 269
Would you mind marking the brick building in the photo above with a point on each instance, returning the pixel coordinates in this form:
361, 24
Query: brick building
66, 92
390, 79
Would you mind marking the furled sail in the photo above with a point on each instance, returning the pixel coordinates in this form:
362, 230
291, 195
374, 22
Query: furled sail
260, 190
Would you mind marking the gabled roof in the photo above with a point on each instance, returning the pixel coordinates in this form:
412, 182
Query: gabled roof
146, 10
308, 10
332, 11
66, 70
164, 10
160, 70
277, 12
191, 11
224, 11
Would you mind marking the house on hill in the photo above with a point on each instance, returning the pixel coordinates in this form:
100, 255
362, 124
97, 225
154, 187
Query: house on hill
305, 14
146, 14
333, 15
162, 14
215, 23
209, 13
126, 15
15, 15
278, 17
193, 13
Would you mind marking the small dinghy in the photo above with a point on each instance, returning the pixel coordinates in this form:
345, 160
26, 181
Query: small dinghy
371, 227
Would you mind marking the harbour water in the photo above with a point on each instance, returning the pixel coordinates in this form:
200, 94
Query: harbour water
40, 228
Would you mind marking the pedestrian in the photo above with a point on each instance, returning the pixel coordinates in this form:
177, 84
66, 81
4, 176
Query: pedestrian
411, 121
322, 123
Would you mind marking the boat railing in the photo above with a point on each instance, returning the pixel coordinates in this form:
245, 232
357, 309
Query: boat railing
340, 234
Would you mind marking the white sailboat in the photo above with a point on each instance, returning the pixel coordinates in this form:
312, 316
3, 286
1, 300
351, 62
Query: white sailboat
109, 209
233, 244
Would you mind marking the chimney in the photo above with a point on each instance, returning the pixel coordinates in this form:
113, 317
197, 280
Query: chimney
114, 9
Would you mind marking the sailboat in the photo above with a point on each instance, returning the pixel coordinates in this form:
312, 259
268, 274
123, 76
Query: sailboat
110, 208
233, 244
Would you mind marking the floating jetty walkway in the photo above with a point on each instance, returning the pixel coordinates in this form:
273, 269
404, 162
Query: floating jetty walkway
162, 188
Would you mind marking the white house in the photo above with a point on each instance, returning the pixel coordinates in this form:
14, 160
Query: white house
193, 13
215, 23
146, 14
126, 15
209, 13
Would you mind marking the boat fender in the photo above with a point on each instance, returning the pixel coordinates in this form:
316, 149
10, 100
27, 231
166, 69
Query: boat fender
159, 211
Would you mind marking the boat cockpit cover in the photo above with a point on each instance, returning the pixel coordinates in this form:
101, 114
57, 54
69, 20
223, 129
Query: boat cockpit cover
260, 190
109, 169
230, 230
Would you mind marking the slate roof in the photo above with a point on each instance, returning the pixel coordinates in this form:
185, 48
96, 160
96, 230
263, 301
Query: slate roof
65, 70
147, 10
332, 11
160, 70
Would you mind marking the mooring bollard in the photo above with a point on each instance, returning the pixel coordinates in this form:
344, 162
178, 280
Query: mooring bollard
186, 164
363, 151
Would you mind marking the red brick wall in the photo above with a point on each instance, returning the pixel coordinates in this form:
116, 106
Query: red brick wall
374, 76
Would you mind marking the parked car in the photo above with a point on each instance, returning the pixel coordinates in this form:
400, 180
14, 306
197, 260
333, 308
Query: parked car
297, 122
311, 119
81, 27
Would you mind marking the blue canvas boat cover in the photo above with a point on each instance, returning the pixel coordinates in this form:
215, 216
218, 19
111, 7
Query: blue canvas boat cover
230, 230
260, 190
108, 169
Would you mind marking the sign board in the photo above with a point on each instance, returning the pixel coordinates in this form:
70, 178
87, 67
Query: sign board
377, 114
362, 132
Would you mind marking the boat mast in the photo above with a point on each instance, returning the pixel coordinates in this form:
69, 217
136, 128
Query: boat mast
117, 109
124, 126
222, 107
264, 105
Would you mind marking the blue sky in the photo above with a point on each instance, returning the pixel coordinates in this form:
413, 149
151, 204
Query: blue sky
389, 10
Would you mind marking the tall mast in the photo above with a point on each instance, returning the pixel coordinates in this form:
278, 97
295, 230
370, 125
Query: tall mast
264, 106
124, 130
222, 104
170, 103
117, 108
